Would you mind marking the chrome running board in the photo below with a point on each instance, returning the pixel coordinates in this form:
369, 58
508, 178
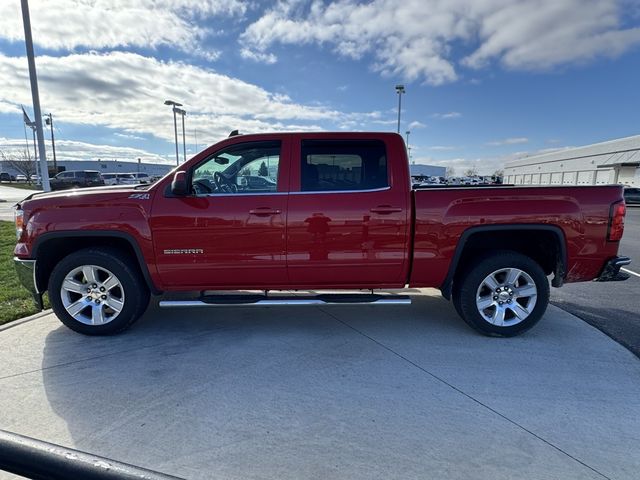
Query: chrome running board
278, 300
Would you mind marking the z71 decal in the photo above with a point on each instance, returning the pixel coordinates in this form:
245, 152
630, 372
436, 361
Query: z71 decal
140, 196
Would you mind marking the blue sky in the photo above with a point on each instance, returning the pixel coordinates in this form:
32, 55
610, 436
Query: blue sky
486, 80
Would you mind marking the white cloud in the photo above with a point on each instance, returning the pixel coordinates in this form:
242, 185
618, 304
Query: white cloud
73, 150
128, 136
268, 58
126, 91
447, 116
416, 124
508, 141
442, 148
415, 39
98, 24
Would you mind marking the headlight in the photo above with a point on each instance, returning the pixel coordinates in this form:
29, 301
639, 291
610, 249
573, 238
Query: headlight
19, 219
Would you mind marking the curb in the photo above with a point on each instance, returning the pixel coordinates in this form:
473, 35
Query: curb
24, 320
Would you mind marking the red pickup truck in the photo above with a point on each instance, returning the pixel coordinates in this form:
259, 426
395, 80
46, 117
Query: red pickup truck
312, 211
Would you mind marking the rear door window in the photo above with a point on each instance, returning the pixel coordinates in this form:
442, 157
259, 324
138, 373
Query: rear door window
343, 165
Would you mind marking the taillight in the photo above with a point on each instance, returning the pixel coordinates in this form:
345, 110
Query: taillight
616, 221
19, 218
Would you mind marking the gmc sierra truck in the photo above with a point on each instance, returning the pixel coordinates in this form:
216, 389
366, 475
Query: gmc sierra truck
312, 211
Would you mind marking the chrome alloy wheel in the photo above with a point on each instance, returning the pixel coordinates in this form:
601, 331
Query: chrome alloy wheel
92, 295
506, 297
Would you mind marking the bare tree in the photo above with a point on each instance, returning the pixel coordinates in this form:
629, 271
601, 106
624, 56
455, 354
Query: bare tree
20, 162
471, 172
450, 172
498, 173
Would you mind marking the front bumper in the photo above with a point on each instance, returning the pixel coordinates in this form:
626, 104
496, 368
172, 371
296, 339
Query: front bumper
26, 270
611, 271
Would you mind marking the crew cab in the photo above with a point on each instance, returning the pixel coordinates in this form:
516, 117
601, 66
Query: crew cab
335, 212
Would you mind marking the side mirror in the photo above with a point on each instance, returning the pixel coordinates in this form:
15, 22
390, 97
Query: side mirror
179, 184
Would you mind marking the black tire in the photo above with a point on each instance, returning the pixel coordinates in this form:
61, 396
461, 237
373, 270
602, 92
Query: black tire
472, 283
132, 290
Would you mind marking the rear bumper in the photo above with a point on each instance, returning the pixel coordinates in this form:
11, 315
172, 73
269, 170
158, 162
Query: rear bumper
611, 271
26, 270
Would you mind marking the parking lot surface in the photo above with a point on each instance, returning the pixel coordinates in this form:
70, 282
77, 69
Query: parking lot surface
354, 392
9, 196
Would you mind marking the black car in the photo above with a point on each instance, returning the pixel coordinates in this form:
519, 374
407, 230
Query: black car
632, 195
76, 179
6, 177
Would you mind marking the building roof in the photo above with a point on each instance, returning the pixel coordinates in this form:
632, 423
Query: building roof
621, 150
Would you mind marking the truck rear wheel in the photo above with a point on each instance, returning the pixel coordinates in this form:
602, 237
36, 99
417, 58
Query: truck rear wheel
95, 291
502, 294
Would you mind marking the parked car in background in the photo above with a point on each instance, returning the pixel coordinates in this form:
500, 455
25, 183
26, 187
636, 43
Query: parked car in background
76, 179
632, 195
6, 177
142, 177
119, 179
21, 178
256, 183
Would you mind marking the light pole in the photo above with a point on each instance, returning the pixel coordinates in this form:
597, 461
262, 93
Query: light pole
400, 90
32, 126
49, 121
182, 113
175, 125
35, 96
408, 147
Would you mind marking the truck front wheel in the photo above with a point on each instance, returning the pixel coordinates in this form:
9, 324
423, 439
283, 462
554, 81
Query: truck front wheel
502, 294
95, 291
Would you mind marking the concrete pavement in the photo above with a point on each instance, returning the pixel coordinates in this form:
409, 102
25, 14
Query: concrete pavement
330, 392
9, 196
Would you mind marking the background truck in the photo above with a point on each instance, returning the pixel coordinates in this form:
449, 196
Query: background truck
335, 212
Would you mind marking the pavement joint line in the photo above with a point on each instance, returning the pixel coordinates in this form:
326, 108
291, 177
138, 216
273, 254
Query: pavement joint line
88, 359
22, 321
66, 364
630, 271
469, 396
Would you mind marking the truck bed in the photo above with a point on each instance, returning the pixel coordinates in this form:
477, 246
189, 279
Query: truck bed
446, 216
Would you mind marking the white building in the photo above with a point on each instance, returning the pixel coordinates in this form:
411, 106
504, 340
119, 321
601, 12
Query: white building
615, 161
115, 166
102, 166
422, 170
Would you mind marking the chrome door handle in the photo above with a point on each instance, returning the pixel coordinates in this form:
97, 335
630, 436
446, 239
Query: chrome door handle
264, 211
385, 209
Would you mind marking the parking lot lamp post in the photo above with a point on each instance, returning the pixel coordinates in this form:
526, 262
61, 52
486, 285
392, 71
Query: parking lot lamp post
32, 125
175, 125
400, 89
182, 113
407, 141
49, 121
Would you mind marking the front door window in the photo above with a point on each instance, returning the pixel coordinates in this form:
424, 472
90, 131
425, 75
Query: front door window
244, 168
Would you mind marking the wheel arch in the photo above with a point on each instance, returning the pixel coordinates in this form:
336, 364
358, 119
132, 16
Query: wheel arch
65, 242
475, 240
